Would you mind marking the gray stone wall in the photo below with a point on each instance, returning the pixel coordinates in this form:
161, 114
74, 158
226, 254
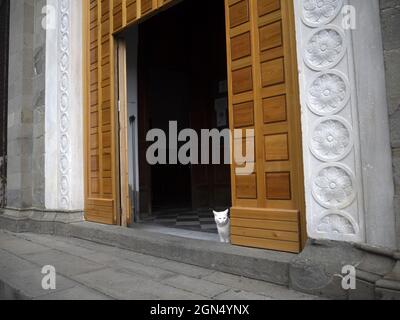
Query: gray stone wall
25, 174
390, 15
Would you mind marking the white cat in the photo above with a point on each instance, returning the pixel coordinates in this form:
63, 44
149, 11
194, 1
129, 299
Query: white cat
223, 223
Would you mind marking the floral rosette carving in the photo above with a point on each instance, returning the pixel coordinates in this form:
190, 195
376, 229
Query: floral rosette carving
331, 139
337, 223
319, 12
328, 94
324, 49
333, 187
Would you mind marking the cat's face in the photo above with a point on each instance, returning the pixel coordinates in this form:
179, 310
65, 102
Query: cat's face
221, 218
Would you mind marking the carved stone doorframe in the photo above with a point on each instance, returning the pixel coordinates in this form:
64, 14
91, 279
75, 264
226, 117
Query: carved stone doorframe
347, 161
64, 104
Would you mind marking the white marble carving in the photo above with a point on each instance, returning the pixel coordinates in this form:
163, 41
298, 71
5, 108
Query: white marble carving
333, 186
334, 197
325, 48
64, 178
337, 222
329, 93
64, 89
331, 139
319, 12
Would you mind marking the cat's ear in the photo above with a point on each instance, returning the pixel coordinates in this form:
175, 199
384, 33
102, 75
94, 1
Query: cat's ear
226, 211
215, 212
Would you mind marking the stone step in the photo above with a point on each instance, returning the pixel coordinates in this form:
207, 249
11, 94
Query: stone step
252, 263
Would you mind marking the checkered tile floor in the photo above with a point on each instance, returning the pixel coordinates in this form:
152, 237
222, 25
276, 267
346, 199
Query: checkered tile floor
190, 220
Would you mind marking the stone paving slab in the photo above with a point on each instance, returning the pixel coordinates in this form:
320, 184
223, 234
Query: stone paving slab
126, 286
10, 263
25, 277
186, 269
18, 247
259, 287
199, 286
240, 295
64, 263
135, 268
29, 282
75, 293
91, 271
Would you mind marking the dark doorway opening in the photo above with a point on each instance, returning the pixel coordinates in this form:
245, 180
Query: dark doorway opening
182, 77
4, 45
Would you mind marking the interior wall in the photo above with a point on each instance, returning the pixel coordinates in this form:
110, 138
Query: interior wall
132, 38
166, 96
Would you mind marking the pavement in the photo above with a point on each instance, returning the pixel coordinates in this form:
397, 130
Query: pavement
89, 271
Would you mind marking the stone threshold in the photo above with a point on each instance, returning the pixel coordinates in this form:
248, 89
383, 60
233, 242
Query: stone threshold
314, 271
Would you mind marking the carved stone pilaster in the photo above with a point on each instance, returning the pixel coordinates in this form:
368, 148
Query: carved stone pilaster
333, 173
64, 104
64, 108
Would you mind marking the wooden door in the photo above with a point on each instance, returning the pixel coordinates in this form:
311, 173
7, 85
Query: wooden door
101, 189
268, 205
102, 19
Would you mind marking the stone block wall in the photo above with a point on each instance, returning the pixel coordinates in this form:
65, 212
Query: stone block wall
390, 16
25, 174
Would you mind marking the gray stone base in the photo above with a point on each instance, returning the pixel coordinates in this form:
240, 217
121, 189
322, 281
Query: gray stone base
7, 292
36, 221
317, 270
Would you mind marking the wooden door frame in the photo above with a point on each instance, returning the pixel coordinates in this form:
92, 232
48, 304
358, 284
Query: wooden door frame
125, 216
293, 77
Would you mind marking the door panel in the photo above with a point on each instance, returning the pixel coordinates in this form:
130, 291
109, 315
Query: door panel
100, 189
268, 205
102, 19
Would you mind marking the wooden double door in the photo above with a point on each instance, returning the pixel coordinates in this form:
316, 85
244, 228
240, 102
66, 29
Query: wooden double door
268, 208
